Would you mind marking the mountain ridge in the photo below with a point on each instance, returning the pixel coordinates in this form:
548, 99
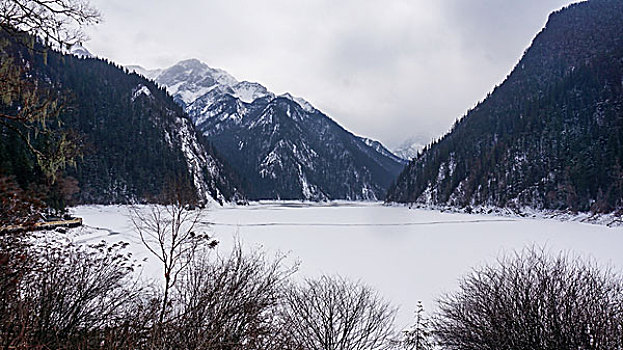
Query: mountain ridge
293, 154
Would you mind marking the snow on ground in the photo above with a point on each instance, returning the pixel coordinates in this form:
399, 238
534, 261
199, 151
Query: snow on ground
406, 254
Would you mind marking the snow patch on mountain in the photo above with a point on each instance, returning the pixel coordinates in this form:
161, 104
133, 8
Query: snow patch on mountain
368, 193
189, 92
141, 90
248, 92
270, 163
309, 191
198, 160
307, 107
377, 146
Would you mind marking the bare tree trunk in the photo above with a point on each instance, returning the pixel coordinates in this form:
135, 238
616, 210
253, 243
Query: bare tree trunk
168, 231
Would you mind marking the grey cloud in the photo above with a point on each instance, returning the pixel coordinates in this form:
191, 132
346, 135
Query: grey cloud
387, 69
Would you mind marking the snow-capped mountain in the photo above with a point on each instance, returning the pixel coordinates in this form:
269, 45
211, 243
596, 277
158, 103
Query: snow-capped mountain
376, 145
410, 148
80, 51
147, 73
282, 146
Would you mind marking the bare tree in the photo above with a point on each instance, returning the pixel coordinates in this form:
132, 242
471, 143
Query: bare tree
531, 300
58, 22
168, 231
332, 313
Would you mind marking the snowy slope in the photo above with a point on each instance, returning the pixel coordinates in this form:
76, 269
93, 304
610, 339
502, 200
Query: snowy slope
206, 171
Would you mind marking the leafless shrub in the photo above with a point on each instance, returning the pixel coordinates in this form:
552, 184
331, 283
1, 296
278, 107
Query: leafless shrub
138, 326
66, 296
533, 301
228, 303
17, 207
332, 313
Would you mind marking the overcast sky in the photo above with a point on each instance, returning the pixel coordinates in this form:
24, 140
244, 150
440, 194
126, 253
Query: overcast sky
386, 69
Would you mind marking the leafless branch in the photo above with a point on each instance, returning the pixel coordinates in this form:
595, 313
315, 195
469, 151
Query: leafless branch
169, 232
58, 22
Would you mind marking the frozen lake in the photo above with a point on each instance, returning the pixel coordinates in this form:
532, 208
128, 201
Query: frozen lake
406, 254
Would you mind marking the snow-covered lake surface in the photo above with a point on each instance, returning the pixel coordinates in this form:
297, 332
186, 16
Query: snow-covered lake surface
407, 255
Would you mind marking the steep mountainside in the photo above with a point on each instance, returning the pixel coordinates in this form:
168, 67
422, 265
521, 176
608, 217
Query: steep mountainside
282, 146
379, 147
551, 136
137, 139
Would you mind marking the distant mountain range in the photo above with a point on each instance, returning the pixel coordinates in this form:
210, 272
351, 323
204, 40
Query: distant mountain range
549, 137
282, 146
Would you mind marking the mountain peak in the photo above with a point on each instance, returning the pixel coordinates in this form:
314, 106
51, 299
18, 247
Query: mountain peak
80, 51
192, 63
191, 79
302, 102
195, 68
248, 92
411, 147
147, 73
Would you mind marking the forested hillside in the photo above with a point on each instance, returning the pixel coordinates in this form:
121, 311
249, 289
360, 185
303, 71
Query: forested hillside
549, 137
134, 139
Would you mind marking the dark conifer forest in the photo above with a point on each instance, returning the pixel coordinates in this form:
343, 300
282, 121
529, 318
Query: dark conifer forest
130, 133
549, 137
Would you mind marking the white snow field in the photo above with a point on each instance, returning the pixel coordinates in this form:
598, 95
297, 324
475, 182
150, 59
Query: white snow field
406, 254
